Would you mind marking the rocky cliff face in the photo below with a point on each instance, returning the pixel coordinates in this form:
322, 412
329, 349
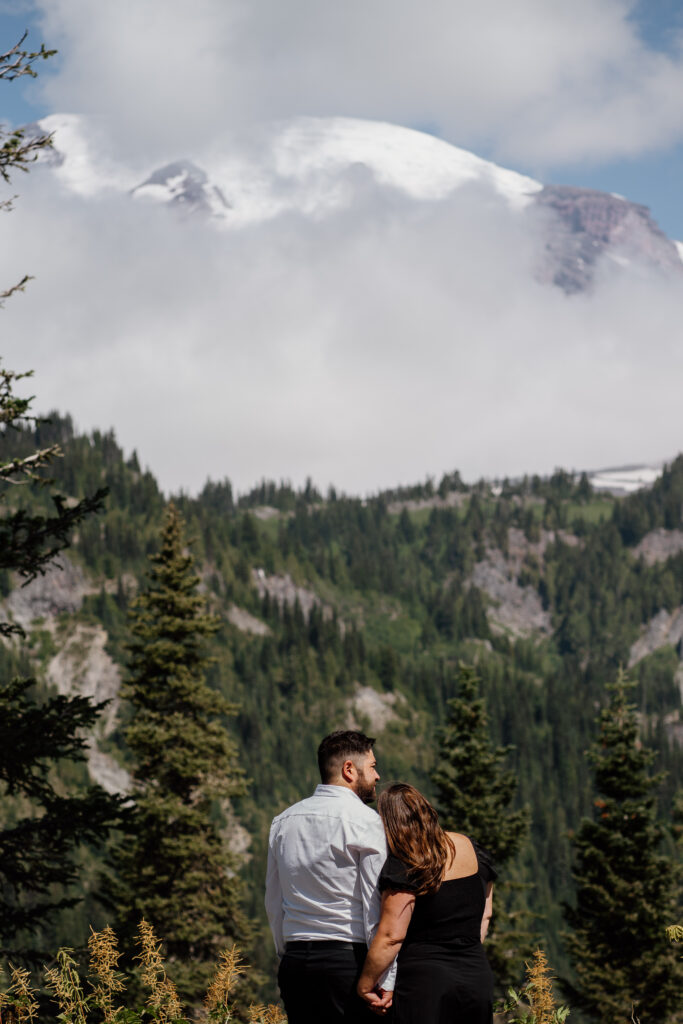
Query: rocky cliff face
586, 225
81, 665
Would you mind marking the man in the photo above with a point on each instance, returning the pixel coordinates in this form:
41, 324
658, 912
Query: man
324, 858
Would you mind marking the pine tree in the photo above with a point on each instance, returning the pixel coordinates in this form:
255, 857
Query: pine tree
474, 796
42, 824
174, 866
625, 887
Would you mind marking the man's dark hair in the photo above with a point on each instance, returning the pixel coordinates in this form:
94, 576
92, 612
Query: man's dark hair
338, 747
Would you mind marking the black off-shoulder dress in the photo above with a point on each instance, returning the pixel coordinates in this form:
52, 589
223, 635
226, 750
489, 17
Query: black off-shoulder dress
443, 974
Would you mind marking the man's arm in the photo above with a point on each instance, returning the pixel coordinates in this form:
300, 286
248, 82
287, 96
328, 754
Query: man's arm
274, 902
371, 860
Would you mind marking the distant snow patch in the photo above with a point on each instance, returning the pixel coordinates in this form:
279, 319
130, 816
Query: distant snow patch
624, 479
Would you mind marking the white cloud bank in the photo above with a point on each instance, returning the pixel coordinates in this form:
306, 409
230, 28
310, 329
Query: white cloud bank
386, 341
531, 81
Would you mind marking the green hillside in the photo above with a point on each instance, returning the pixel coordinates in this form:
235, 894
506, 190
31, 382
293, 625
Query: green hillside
337, 610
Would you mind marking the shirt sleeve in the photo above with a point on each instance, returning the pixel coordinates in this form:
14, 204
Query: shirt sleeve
274, 908
487, 868
395, 875
372, 854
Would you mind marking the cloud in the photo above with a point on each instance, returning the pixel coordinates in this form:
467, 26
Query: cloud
370, 347
533, 82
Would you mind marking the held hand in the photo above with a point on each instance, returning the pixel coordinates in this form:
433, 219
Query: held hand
386, 998
378, 999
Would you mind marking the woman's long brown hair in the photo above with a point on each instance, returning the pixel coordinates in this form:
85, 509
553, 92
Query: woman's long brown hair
415, 836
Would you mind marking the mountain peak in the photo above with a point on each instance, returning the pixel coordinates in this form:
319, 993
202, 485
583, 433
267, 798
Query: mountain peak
591, 224
314, 167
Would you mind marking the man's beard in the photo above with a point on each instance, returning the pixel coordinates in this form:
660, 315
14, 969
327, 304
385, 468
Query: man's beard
365, 790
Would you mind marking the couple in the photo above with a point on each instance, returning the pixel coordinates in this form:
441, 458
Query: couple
328, 863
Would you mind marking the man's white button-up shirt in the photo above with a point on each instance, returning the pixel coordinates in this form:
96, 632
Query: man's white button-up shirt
324, 858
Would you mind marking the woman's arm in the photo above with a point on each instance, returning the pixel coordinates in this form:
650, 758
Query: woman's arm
397, 909
488, 910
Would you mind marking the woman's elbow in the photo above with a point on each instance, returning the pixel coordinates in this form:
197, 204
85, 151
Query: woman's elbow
391, 937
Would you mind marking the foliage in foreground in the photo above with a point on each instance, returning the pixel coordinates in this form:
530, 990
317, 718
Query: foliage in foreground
173, 864
475, 790
106, 988
626, 887
535, 1002
42, 824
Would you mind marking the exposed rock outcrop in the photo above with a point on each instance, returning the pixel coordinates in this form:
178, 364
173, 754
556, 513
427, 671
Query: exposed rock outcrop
659, 545
82, 666
106, 771
246, 622
59, 590
589, 225
285, 591
516, 609
664, 630
369, 706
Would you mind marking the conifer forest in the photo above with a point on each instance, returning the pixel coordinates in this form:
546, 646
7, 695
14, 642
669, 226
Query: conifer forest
241, 629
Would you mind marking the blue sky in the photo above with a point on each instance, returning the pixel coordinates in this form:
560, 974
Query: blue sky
652, 175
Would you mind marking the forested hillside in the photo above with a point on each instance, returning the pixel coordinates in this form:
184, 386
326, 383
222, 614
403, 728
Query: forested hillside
337, 610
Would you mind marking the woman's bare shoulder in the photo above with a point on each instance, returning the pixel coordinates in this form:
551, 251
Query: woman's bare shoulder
459, 838
463, 860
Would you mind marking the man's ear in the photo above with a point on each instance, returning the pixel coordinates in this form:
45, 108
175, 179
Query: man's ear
348, 771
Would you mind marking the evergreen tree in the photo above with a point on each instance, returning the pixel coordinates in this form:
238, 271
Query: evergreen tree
174, 865
42, 824
474, 796
625, 887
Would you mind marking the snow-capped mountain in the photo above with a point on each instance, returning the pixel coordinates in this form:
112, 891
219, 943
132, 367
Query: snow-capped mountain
184, 184
316, 166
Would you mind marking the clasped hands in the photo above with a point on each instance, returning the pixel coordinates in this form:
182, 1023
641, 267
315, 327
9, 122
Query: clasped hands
378, 999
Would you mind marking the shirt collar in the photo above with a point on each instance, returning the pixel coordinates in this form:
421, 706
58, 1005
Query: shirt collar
343, 792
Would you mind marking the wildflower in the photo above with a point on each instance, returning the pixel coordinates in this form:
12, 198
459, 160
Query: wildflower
162, 991
104, 959
66, 985
228, 970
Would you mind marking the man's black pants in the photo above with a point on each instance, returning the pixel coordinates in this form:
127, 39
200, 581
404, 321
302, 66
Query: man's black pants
318, 983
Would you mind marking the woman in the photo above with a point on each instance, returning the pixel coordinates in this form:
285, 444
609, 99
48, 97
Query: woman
436, 904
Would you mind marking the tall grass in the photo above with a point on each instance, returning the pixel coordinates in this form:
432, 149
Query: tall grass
104, 1002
